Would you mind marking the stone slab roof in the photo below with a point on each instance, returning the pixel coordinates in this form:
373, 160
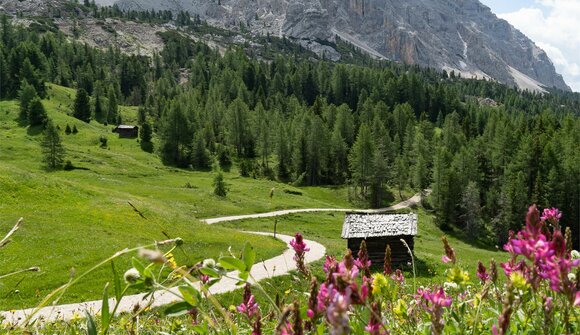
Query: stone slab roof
358, 225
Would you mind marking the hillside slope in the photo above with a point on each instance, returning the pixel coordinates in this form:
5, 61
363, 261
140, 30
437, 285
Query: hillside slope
75, 219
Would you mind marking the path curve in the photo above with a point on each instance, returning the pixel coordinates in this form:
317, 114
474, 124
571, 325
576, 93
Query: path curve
416, 199
273, 267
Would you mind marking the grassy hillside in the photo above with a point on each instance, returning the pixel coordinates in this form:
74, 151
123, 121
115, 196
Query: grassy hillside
73, 219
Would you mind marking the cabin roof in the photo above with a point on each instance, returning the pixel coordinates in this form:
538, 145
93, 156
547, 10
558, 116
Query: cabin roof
360, 225
125, 126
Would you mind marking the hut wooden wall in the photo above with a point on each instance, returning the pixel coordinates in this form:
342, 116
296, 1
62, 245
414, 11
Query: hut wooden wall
377, 246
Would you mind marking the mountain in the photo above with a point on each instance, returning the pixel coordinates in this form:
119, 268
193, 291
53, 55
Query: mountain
454, 35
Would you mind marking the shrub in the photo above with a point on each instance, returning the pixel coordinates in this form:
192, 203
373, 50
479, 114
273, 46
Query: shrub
104, 141
75, 130
68, 166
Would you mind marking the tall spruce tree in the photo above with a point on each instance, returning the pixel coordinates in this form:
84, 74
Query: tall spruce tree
36, 113
52, 148
82, 106
361, 159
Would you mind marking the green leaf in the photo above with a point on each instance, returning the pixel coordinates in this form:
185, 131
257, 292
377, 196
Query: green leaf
105, 314
202, 328
249, 256
210, 272
177, 309
190, 295
244, 277
91, 327
116, 283
231, 263
138, 265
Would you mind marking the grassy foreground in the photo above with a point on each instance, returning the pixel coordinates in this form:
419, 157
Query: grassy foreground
74, 219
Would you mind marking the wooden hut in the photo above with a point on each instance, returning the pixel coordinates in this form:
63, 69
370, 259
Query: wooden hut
127, 131
378, 230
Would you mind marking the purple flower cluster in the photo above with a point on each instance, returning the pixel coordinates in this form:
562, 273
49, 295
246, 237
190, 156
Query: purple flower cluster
434, 302
300, 250
544, 256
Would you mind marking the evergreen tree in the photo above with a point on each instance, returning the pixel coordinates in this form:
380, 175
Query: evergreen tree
112, 107
221, 189
26, 95
175, 136
36, 113
401, 174
361, 159
441, 187
470, 204
82, 106
146, 137
239, 128
283, 153
200, 158
99, 111
52, 148
67, 130
380, 176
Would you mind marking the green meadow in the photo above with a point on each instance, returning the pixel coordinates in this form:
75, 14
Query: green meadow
74, 219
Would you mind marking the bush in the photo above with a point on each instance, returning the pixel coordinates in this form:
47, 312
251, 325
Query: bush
68, 166
67, 130
104, 141
75, 130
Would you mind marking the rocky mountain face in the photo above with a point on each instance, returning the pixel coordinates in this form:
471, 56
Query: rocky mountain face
460, 35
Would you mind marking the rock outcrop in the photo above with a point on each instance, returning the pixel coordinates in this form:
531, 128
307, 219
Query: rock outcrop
460, 35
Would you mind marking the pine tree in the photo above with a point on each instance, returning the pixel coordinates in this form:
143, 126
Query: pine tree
75, 129
200, 158
36, 113
112, 107
67, 130
146, 137
99, 111
221, 189
470, 204
82, 106
175, 135
380, 176
26, 94
52, 148
361, 159
401, 174
283, 153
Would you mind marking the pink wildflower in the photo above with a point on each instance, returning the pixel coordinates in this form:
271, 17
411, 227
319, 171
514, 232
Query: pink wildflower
249, 306
482, 272
398, 276
434, 302
551, 215
375, 325
329, 263
449, 252
337, 313
300, 250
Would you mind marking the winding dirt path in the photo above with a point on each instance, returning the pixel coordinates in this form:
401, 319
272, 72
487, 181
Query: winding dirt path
273, 267
416, 199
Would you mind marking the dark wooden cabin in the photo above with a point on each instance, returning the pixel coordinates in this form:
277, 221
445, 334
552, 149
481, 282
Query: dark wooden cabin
378, 230
127, 131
